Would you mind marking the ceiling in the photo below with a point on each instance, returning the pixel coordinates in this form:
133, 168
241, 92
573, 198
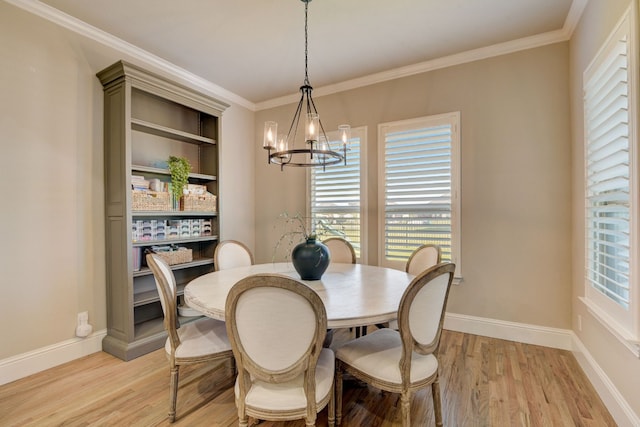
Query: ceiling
255, 48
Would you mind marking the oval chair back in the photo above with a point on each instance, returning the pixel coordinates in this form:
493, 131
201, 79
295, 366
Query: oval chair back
231, 254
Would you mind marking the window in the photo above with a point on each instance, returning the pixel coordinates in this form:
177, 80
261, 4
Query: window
335, 195
611, 184
419, 188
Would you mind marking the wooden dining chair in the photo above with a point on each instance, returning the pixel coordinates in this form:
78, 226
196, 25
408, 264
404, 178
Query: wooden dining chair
199, 341
422, 258
276, 326
403, 361
231, 254
340, 250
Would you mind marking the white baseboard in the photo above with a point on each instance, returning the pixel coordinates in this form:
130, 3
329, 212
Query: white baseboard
564, 339
520, 332
616, 404
25, 364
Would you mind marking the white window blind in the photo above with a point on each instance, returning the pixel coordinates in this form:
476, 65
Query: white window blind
335, 197
607, 176
420, 195
612, 204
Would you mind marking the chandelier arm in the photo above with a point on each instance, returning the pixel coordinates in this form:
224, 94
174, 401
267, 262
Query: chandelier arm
296, 120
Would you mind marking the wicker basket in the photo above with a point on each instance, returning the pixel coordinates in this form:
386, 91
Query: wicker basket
150, 201
177, 257
200, 203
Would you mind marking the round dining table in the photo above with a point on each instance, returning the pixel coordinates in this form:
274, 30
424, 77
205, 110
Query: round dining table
353, 294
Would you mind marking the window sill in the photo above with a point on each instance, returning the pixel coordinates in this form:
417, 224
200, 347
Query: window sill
632, 345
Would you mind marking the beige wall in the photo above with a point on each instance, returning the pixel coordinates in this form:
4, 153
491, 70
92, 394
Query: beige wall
617, 362
516, 203
51, 175
521, 181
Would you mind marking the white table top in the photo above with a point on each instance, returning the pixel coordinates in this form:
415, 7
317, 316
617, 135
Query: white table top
353, 294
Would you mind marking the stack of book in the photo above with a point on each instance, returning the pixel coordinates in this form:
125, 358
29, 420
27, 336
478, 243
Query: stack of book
139, 183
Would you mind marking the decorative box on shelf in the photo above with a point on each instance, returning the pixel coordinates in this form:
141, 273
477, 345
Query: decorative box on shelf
150, 201
178, 255
198, 202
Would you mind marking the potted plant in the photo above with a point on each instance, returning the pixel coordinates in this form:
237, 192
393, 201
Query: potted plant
179, 167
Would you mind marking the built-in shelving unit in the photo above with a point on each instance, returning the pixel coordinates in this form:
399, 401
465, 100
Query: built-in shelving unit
148, 118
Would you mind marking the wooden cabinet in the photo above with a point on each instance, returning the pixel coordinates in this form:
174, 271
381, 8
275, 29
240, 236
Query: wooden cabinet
148, 118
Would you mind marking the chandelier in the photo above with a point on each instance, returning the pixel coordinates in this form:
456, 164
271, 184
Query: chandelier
316, 151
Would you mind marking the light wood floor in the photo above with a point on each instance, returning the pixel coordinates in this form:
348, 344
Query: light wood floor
484, 382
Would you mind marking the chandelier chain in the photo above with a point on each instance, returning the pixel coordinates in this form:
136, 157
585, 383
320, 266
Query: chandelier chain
306, 45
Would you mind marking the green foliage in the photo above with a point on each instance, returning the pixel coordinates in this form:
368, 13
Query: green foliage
179, 168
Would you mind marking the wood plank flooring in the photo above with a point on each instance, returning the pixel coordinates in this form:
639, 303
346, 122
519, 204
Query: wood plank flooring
484, 382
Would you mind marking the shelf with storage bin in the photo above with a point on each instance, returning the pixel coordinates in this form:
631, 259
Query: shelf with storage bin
174, 241
148, 119
161, 171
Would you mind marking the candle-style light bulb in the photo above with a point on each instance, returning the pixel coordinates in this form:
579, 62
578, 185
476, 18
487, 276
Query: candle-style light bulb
282, 145
270, 132
313, 125
344, 133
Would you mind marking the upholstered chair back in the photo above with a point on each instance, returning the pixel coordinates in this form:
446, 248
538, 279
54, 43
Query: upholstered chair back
422, 258
277, 325
340, 250
231, 254
422, 309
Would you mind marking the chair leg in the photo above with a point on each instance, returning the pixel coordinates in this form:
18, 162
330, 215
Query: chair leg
310, 419
173, 392
338, 387
332, 405
437, 403
405, 400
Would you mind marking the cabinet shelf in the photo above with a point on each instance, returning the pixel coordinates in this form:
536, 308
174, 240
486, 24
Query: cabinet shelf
174, 241
148, 297
172, 214
147, 272
166, 132
161, 171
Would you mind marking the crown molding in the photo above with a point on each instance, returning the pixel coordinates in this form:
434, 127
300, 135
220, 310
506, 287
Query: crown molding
145, 58
423, 67
80, 27
557, 36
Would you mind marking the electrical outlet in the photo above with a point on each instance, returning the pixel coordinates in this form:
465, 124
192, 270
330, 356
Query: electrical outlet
83, 318
579, 322
84, 328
